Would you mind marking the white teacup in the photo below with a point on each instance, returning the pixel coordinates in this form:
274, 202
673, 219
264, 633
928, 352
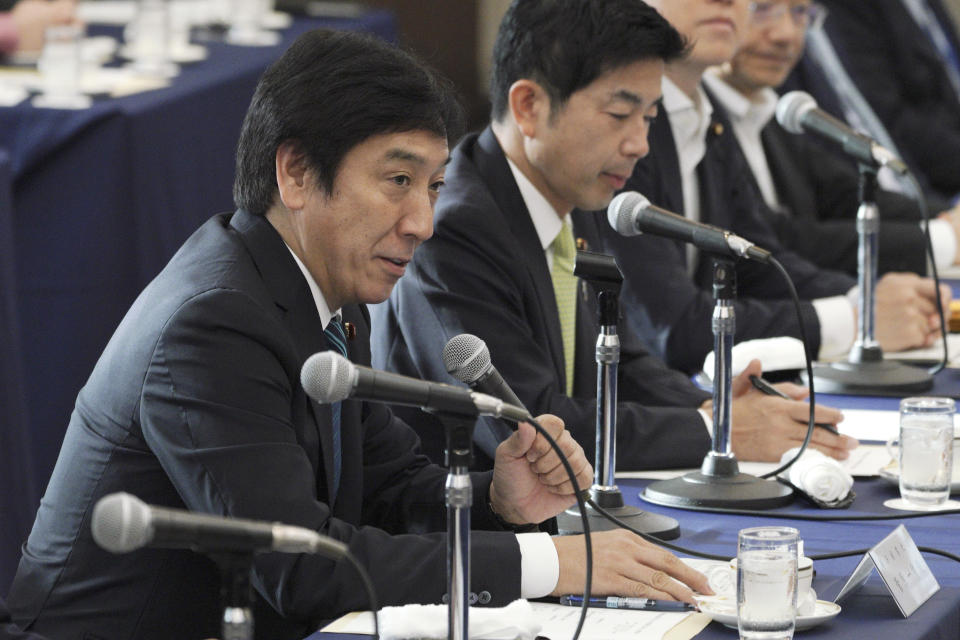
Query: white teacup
806, 596
893, 445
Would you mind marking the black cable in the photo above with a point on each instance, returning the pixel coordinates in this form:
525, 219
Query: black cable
371, 592
925, 212
808, 359
587, 543
822, 556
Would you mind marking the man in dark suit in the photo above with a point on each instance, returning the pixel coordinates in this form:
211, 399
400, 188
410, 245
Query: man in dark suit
696, 169
902, 54
560, 141
811, 192
196, 402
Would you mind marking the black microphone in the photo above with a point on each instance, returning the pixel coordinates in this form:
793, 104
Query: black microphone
329, 377
797, 112
122, 523
631, 214
467, 358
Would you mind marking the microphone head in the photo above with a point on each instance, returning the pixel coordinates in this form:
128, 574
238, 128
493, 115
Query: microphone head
121, 523
466, 357
327, 377
623, 211
792, 107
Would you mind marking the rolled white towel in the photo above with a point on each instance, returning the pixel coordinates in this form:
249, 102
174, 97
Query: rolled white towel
819, 475
516, 620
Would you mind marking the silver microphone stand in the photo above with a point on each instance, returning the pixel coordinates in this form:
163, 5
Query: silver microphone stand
602, 272
237, 620
719, 482
865, 371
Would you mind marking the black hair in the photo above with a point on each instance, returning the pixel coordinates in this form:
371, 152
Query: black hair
330, 91
564, 45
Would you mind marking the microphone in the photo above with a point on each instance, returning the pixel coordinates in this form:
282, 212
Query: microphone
797, 112
467, 358
122, 523
329, 377
631, 214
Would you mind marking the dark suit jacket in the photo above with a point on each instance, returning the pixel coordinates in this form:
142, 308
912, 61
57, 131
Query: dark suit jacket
484, 273
670, 310
818, 192
900, 73
9, 631
196, 403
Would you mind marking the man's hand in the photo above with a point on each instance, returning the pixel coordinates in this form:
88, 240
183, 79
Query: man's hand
529, 481
906, 311
625, 564
766, 426
32, 17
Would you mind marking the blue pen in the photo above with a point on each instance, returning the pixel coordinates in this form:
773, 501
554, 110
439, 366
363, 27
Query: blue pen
640, 604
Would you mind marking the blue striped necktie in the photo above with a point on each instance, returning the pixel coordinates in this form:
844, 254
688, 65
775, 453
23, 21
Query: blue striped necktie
338, 341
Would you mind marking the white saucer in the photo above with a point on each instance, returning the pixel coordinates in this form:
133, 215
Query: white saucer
903, 505
723, 609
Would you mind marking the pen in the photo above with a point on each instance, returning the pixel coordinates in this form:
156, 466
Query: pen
771, 390
641, 604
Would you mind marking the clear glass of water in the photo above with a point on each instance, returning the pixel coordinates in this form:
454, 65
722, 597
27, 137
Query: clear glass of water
767, 583
926, 450
60, 66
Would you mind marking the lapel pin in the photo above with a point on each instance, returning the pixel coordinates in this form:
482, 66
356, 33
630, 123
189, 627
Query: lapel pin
350, 330
581, 244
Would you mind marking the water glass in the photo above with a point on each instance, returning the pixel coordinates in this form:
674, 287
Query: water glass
60, 66
926, 450
767, 583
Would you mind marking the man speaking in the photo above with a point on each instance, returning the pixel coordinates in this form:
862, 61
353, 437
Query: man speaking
196, 402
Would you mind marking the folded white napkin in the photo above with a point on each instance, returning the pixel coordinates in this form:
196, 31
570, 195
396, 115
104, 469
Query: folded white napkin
516, 620
819, 475
775, 354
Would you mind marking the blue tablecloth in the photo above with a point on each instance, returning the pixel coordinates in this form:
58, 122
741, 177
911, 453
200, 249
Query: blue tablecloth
102, 199
869, 613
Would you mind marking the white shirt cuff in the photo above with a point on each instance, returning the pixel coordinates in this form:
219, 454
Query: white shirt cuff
944, 242
837, 326
539, 565
707, 421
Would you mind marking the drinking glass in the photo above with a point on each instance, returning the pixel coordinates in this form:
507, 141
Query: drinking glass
60, 66
926, 450
767, 583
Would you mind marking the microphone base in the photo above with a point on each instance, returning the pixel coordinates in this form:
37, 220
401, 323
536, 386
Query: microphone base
739, 491
611, 501
884, 377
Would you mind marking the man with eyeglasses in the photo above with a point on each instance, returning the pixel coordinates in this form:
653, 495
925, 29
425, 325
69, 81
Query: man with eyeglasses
810, 192
904, 56
695, 168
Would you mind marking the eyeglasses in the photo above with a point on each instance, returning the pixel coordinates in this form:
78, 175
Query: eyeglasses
803, 15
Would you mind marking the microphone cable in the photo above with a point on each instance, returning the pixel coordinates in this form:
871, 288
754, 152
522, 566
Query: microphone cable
582, 505
925, 212
371, 592
824, 556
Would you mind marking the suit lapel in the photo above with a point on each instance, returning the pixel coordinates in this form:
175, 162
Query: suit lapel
493, 168
285, 281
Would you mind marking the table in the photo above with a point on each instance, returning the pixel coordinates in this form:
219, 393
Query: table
102, 199
870, 612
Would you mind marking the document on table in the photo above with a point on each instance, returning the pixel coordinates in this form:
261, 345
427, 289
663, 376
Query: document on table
864, 461
559, 622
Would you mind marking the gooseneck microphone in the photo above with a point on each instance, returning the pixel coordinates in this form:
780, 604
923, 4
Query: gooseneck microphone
631, 214
329, 377
797, 112
123, 523
467, 358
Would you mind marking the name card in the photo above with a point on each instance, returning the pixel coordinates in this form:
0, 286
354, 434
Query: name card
903, 570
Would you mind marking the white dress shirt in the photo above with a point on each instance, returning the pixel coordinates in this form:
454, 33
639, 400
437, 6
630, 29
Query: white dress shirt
539, 563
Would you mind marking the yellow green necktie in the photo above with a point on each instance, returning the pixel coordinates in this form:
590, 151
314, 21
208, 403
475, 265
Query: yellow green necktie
565, 289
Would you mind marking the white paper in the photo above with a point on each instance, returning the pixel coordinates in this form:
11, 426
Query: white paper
870, 424
904, 571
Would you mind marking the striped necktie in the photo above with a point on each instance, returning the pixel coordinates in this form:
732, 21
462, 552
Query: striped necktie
338, 341
565, 290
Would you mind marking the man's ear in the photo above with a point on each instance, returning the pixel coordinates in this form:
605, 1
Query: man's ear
292, 175
529, 105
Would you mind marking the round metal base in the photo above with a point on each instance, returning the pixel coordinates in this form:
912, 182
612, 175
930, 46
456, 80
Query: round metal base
868, 378
663, 527
741, 491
